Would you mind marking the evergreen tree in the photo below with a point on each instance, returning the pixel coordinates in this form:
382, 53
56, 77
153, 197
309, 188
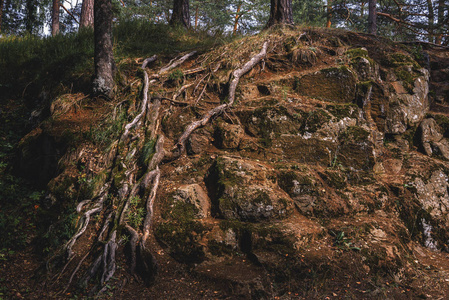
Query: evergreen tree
103, 82
280, 12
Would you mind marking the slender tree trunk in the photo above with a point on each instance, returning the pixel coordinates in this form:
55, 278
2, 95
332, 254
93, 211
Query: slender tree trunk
2, 4
372, 17
55, 18
439, 36
237, 18
181, 14
103, 82
87, 14
30, 15
280, 12
329, 14
430, 21
196, 16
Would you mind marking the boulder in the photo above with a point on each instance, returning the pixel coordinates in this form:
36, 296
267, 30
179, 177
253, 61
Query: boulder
407, 108
433, 194
432, 140
195, 195
228, 136
246, 190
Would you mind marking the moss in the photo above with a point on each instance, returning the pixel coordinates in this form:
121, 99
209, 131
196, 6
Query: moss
343, 110
357, 52
314, 120
290, 181
355, 134
219, 248
399, 59
181, 232
334, 179
407, 78
443, 122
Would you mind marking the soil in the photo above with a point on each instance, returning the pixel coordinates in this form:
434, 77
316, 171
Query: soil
373, 260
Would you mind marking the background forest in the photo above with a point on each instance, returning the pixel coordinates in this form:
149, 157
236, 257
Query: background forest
425, 20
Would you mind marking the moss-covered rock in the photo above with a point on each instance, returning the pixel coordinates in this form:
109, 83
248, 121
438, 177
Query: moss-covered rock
245, 190
333, 84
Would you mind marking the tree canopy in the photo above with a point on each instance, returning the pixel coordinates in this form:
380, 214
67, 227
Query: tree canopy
425, 20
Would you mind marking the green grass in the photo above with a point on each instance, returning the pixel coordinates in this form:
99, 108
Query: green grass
65, 62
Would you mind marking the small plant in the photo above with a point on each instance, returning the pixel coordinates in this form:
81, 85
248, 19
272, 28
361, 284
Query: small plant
342, 242
135, 214
176, 76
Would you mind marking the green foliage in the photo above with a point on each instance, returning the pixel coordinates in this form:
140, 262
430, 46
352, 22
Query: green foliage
135, 212
33, 62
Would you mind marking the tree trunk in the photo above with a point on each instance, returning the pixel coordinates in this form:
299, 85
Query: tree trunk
280, 12
430, 21
87, 14
103, 82
2, 3
439, 36
181, 14
55, 18
237, 18
329, 14
30, 15
372, 17
196, 16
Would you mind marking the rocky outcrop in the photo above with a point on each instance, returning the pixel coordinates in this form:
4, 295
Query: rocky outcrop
432, 140
194, 194
246, 190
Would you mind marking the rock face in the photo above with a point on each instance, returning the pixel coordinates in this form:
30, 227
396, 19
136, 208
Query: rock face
195, 195
247, 191
228, 136
408, 108
432, 139
433, 194
332, 84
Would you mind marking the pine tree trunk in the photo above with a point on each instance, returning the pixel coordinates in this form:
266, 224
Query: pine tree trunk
281, 12
372, 17
329, 14
30, 15
103, 82
181, 14
2, 3
439, 36
430, 21
237, 18
87, 14
55, 18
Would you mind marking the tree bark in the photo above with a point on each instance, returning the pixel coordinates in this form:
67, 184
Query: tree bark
103, 82
30, 15
237, 18
329, 14
87, 14
181, 14
55, 18
280, 12
430, 21
2, 4
439, 36
372, 17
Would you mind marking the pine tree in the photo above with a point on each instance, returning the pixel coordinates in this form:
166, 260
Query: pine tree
281, 12
103, 82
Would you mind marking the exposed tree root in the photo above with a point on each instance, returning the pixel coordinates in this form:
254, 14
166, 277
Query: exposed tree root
181, 145
113, 203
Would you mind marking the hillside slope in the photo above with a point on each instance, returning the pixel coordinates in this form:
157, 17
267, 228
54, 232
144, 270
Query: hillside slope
327, 177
